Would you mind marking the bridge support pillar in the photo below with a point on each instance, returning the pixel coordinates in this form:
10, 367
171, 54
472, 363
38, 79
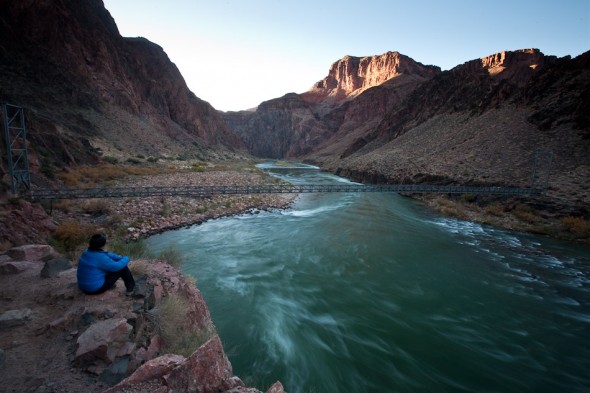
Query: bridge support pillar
16, 147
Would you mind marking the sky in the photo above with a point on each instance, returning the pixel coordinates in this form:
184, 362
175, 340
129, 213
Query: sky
236, 54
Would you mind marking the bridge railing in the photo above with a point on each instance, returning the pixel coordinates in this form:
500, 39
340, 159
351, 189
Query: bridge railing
206, 191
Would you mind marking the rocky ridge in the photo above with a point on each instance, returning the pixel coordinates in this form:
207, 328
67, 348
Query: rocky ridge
57, 339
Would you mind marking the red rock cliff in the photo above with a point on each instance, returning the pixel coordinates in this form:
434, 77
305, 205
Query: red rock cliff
350, 76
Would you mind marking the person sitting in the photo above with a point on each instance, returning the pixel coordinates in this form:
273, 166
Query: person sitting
98, 270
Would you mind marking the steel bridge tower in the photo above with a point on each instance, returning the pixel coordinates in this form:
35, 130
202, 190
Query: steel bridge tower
16, 147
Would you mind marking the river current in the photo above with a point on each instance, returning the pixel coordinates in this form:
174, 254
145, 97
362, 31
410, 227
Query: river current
371, 292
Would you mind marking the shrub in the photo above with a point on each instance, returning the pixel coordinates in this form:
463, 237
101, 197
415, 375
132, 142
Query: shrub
577, 226
152, 159
70, 234
171, 323
17, 202
133, 161
173, 256
135, 250
63, 204
527, 216
5, 246
95, 174
110, 160
96, 207
47, 170
468, 198
495, 209
139, 267
70, 179
165, 210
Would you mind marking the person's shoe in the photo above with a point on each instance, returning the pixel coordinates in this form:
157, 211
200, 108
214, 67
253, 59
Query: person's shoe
130, 293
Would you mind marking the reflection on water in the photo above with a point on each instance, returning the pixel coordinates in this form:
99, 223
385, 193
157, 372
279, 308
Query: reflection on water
372, 293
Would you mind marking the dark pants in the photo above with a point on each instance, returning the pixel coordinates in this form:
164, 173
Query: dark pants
112, 277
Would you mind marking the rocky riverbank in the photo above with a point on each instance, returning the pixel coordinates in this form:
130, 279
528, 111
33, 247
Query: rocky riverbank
56, 339
135, 218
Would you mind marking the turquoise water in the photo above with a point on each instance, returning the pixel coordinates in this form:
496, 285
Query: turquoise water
373, 293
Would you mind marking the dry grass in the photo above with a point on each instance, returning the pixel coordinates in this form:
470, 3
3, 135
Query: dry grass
527, 216
495, 209
139, 267
65, 205
577, 226
170, 320
85, 175
70, 234
96, 207
5, 246
173, 256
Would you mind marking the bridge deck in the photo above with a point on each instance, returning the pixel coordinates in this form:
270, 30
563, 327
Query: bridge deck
206, 191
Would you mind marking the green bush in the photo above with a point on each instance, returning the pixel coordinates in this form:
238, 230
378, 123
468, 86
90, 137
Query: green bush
110, 160
135, 250
173, 256
47, 170
468, 198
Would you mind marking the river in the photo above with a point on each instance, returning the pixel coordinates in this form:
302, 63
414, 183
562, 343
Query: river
372, 292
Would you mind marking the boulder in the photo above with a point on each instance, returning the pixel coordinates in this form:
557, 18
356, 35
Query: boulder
30, 252
14, 267
276, 387
242, 389
54, 266
207, 370
102, 341
13, 318
152, 369
154, 347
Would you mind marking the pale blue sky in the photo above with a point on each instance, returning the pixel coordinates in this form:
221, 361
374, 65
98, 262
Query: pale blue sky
235, 54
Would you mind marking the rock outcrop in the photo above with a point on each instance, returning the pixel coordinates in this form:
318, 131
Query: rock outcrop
98, 341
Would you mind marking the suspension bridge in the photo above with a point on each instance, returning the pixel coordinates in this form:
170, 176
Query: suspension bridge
208, 191
17, 157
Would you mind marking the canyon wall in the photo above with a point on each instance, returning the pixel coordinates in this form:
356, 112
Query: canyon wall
92, 91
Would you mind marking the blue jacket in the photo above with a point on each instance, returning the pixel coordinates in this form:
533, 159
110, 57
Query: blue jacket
93, 267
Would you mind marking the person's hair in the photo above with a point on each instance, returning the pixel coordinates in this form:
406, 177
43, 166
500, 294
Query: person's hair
97, 242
